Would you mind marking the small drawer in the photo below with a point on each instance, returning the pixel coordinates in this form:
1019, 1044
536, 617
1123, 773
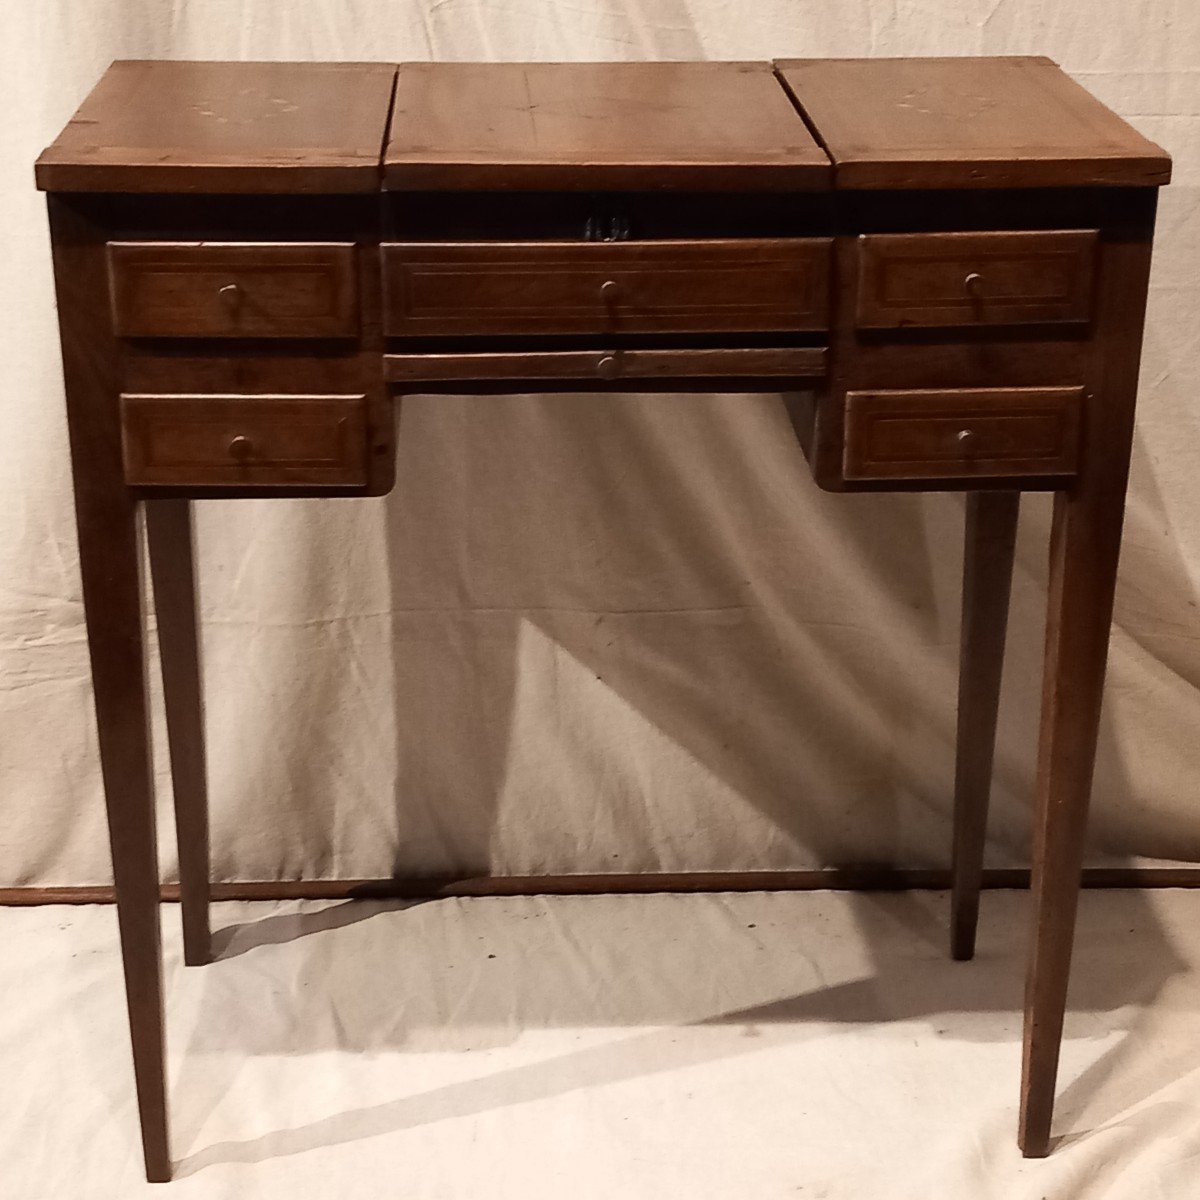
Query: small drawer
631, 367
742, 285
244, 441
962, 434
233, 289
943, 280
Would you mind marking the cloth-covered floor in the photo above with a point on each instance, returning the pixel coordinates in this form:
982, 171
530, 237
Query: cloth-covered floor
763, 1045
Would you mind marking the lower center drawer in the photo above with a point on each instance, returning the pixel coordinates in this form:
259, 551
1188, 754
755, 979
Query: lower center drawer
244, 441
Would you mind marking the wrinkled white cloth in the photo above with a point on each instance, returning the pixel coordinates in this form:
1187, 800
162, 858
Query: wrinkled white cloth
767, 1046
592, 634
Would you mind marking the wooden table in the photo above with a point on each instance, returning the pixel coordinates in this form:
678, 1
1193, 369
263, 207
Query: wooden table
942, 264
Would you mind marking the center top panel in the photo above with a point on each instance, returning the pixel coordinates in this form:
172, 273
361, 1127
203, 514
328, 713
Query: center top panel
694, 126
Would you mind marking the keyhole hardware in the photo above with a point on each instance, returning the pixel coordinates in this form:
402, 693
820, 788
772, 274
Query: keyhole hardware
603, 226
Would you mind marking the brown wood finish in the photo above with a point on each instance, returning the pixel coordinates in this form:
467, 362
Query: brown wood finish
966, 123
798, 362
948, 279
991, 533
246, 290
243, 370
244, 441
917, 364
598, 127
986, 359
718, 286
1084, 548
970, 433
720, 206
172, 570
109, 557
228, 127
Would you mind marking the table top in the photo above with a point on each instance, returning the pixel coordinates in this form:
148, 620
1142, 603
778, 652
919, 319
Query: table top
225, 127
967, 122
551, 126
698, 126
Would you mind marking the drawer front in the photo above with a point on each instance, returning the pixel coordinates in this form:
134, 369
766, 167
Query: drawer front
244, 441
944, 280
601, 367
744, 285
242, 289
962, 434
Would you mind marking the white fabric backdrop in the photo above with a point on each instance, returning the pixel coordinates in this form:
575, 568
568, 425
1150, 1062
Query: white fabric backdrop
593, 634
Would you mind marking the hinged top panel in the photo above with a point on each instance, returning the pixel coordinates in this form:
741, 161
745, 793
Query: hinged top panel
225, 127
967, 123
598, 127
213, 127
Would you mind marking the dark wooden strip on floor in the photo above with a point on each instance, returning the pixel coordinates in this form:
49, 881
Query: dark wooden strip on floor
849, 879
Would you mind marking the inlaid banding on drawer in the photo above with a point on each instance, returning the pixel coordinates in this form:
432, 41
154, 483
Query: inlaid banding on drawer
796, 362
962, 434
234, 289
494, 288
962, 279
259, 440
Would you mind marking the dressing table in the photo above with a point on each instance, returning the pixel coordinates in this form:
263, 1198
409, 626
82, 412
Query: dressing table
941, 264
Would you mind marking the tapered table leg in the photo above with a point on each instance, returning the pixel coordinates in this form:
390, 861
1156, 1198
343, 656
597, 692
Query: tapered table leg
991, 531
1083, 567
109, 555
169, 537
112, 601
1084, 549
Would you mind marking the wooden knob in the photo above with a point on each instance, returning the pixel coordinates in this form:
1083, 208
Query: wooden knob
964, 436
972, 283
607, 367
610, 290
230, 293
241, 448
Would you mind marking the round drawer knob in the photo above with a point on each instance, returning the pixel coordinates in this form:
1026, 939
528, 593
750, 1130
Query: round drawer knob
607, 367
965, 437
241, 448
973, 282
230, 293
610, 290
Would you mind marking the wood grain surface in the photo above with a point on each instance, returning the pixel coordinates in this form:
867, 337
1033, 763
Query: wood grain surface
225, 127
966, 123
233, 289
940, 326
549, 287
942, 280
968, 433
598, 126
244, 441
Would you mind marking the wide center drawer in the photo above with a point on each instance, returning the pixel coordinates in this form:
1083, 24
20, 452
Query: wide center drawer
233, 289
257, 441
769, 285
962, 279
